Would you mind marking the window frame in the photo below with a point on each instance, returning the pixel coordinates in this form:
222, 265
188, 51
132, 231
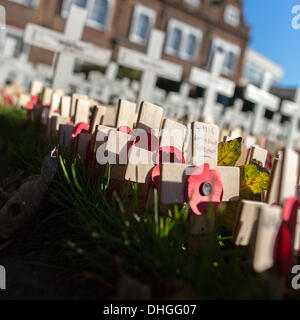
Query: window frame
193, 3
89, 6
94, 24
21, 48
232, 15
186, 31
35, 3
138, 10
227, 47
253, 73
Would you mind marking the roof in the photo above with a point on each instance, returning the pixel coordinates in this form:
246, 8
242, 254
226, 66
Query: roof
263, 62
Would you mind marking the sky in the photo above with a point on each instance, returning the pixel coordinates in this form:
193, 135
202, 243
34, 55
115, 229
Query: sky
272, 35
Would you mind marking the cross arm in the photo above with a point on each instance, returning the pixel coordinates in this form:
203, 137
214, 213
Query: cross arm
133, 59
44, 38
289, 108
257, 95
204, 79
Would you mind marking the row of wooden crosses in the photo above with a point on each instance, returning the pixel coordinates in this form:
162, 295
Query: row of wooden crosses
182, 162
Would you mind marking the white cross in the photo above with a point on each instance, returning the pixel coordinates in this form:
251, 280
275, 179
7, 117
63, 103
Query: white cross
263, 100
176, 101
233, 114
150, 64
17, 70
2, 28
213, 83
67, 45
273, 127
110, 81
194, 107
292, 110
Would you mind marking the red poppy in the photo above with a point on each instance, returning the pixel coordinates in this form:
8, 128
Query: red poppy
34, 100
283, 248
81, 128
204, 186
124, 129
269, 160
7, 100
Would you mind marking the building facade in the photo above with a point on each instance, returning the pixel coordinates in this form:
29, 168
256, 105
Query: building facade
255, 65
194, 28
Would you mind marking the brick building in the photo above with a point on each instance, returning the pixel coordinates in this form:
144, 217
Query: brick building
194, 28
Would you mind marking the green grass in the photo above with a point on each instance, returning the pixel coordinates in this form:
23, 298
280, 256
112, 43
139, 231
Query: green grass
97, 231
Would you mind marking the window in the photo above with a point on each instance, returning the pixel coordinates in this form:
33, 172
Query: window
10, 48
14, 46
142, 22
231, 51
98, 11
191, 45
194, 3
253, 73
67, 6
175, 41
182, 40
232, 15
27, 3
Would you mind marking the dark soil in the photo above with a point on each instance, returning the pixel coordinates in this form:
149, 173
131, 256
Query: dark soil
25, 277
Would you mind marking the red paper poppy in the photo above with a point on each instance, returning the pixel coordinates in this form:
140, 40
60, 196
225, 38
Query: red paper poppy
124, 129
269, 160
7, 100
283, 248
34, 100
204, 186
81, 128
165, 155
298, 194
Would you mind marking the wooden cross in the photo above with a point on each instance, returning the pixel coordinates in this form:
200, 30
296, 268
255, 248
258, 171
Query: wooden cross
202, 145
205, 144
140, 160
67, 45
213, 83
82, 111
263, 100
150, 64
258, 222
292, 110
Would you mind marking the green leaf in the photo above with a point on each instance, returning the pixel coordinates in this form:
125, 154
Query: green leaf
229, 152
253, 181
